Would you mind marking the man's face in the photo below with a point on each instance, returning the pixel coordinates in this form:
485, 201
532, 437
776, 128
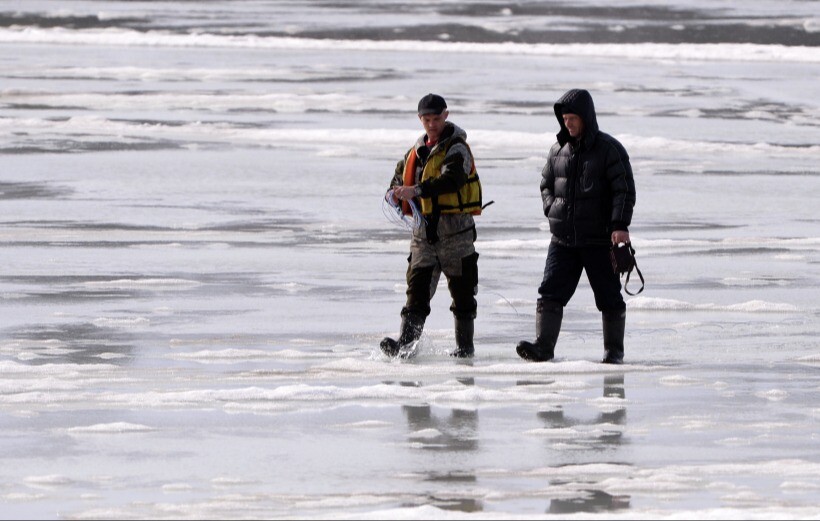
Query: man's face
574, 124
433, 124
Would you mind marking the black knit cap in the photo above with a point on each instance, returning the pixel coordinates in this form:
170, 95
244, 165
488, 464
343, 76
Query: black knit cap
432, 104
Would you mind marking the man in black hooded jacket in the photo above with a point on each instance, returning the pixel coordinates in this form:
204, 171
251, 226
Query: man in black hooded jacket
588, 193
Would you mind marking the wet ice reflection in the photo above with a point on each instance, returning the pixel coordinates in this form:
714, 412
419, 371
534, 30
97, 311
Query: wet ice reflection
605, 431
588, 498
450, 430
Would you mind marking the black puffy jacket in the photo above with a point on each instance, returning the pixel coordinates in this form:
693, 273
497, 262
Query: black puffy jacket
587, 186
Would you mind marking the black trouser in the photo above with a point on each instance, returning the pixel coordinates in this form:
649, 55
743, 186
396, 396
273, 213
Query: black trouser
563, 272
422, 283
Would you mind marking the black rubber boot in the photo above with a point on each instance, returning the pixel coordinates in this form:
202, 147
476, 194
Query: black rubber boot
548, 317
614, 325
465, 328
411, 328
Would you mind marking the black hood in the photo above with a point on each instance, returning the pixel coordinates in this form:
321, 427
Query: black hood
577, 101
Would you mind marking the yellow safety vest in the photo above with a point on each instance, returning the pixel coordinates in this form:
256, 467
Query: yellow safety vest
466, 200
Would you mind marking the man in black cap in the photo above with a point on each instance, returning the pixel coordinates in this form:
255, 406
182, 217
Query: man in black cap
588, 194
438, 176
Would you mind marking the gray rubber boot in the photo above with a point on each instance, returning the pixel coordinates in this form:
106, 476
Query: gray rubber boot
465, 328
548, 318
614, 327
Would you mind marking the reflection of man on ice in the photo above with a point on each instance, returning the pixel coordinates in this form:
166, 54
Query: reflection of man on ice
438, 175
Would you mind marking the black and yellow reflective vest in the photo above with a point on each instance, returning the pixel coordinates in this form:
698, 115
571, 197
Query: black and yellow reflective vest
466, 200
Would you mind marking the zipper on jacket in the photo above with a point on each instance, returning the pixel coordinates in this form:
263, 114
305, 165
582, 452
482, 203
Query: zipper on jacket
574, 167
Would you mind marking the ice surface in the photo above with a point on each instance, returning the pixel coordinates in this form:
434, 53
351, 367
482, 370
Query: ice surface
197, 270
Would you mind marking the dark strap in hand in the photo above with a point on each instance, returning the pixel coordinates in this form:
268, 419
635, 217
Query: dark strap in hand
628, 273
623, 261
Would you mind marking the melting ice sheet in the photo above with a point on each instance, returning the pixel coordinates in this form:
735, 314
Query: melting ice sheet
195, 267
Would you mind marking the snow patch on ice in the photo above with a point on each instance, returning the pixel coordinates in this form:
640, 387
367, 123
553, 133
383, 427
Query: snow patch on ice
148, 283
121, 322
678, 380
752, 306
799, 486
225, 482
366, 424
111, 356
734, 441
177, 487
50, 480
22, 497
774, 395
110, 428
425, 434
290, 287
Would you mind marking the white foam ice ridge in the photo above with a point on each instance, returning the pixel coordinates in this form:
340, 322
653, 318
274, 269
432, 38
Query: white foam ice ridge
773, 395
662, 247
793, 247
75, 383
485, 141
155, 284
293, 397
127, 322
752, 306
810, 358
282, 102
242, 355
646, 51
51, 480
204, 74
110, 428
679, 380
368, 424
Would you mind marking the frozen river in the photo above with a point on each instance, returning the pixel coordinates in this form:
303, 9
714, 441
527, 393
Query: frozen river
195, 267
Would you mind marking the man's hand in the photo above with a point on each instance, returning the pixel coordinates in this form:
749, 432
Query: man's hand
619, 236
404, 193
